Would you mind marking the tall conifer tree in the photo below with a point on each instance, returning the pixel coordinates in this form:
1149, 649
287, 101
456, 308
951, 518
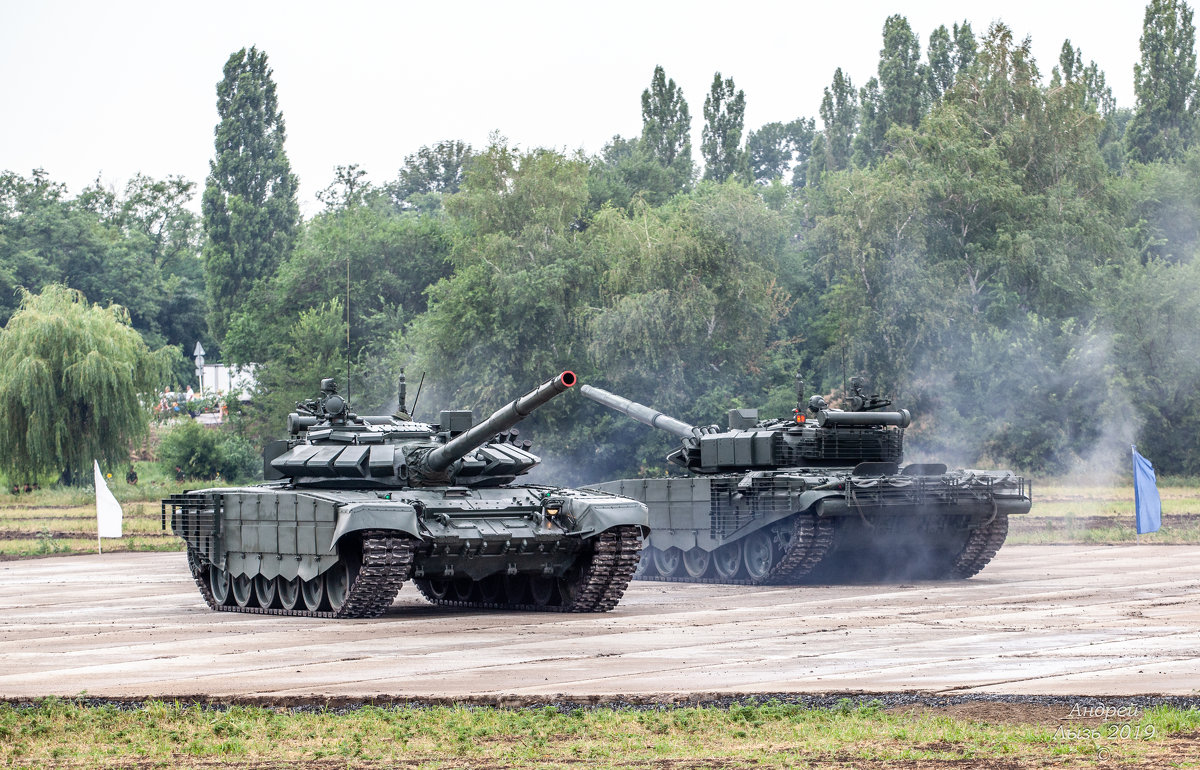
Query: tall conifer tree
1164, 84
872, 125
724, 117
902, 76
898, 96
839, 113
667, 127
965, 47
941, 63
249, 205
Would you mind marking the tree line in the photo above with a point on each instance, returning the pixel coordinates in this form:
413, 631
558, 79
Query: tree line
1009, 255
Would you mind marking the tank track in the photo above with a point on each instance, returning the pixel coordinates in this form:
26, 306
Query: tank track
812, 538
197, 567
386, 563
602, 581
982, 544
818, 534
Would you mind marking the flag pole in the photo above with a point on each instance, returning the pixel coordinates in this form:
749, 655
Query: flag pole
108, 510
1133, 460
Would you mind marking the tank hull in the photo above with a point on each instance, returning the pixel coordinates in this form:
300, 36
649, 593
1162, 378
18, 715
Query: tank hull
283, 549
826, 525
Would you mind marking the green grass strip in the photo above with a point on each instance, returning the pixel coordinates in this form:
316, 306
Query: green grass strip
157, 734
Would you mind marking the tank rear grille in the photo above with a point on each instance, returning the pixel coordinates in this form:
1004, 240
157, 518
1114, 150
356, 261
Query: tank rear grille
735, 504
849, 444
195, 518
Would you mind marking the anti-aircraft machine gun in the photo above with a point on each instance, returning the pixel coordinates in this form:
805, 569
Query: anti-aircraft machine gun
819, 496
354, 506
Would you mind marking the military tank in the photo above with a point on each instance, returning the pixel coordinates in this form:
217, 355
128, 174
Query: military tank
820, 496
353, 506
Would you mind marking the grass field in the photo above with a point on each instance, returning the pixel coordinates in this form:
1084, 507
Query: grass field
58, 733
50, 522
1104, 515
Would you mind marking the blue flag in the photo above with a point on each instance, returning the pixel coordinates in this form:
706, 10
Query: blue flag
1146, 502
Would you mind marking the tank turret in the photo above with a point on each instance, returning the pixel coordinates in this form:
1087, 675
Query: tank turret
333, 447
815, 437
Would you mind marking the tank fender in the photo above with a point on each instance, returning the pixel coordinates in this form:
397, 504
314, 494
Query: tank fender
595, 516
354, 517
808, 498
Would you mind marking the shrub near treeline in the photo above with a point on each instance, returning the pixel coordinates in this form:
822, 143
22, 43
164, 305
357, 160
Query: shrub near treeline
192, 451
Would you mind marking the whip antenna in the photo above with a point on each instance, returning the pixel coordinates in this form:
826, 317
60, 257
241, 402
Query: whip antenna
413, 414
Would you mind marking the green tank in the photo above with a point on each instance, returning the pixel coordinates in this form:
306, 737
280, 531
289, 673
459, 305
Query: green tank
354, 506
819, 496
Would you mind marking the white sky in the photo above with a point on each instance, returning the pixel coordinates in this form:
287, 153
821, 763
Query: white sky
111, 89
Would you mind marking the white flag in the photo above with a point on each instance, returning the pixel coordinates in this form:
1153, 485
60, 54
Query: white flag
108, 510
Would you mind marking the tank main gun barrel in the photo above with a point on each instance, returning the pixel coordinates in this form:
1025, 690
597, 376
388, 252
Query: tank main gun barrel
639, 412
502, 419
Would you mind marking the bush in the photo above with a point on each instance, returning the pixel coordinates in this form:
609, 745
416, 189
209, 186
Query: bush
194, 452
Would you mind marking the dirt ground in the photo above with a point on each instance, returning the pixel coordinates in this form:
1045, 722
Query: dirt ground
1040, 620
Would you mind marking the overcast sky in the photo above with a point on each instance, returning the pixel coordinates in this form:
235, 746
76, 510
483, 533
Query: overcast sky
111, 89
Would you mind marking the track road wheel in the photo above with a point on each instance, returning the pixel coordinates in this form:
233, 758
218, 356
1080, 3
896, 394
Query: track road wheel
759, 556
516, 588
288, 591
218, 581
436, 590
461, 589
543, 589
491, 589
312, 593
264, 591
337, 585
569, 586
727, 560
668, 563
243, 591
696, 561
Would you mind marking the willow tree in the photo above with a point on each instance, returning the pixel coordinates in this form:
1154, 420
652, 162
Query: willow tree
72, 380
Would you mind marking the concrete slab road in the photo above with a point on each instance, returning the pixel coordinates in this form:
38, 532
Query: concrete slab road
1071, 620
